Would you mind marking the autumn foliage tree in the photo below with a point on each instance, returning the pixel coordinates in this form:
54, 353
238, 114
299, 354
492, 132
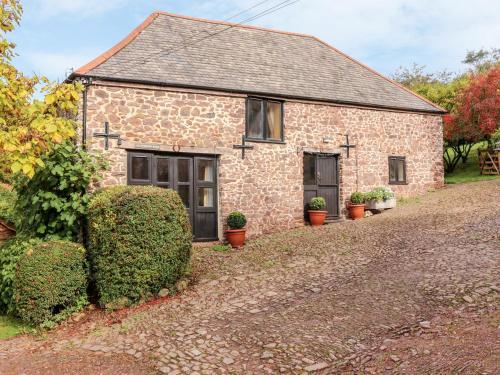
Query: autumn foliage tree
29, 128
476, 116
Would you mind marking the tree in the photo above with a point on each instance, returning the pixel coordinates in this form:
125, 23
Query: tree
482, 60
30, 128
470, 98
478, 104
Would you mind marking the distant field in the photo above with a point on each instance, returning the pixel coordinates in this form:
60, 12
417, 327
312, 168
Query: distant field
469, 172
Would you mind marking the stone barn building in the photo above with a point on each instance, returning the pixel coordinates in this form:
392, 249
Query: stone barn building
242, 118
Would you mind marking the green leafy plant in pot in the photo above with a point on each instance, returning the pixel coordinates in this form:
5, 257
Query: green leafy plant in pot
357, 205
235, 235
317, 211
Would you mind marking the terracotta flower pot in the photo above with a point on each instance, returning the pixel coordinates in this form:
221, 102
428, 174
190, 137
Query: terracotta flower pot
356, 211
317, 217
236, 237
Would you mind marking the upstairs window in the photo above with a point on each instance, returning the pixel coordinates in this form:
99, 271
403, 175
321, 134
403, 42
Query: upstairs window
397, 170
264, 120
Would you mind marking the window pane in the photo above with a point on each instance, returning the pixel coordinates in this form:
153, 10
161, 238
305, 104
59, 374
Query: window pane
401, 171
273, 113
183, 170
140, 168
206, 170
162, 169
183, 191
205, 197
255, 119
392, 170
309, 169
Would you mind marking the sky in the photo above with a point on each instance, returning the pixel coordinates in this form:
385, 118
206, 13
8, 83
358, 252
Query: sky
56, 35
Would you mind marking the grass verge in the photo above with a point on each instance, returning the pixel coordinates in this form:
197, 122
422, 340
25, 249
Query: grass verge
10, 327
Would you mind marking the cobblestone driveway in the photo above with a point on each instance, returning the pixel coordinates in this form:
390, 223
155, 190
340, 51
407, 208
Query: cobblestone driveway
410, 291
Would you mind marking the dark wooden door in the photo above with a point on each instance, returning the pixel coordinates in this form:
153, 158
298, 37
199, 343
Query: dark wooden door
193, 177
321, 180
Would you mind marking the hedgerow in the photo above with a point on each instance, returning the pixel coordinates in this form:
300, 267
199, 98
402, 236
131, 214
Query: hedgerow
139, 242
10, 253
50, 282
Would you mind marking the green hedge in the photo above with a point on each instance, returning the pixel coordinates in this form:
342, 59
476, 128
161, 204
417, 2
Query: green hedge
50, 282
7, 203
139, 242
10, 253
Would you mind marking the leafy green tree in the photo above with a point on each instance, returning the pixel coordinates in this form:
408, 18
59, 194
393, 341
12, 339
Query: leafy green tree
53, 203
482, 60
30, 128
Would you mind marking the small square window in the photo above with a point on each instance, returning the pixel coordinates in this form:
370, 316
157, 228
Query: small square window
264, 120
397, 170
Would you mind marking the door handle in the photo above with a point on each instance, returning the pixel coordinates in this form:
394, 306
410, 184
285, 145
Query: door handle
318, 176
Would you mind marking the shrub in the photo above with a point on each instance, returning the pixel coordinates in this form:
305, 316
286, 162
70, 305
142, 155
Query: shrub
7, 203
50, 282
54, 202
236, 220
317, 204
357, 197
139, 242
379, 194
10, 253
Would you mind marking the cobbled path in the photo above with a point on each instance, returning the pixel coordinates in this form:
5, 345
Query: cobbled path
348, 297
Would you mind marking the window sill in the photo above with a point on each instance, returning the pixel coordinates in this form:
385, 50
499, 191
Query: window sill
265, 141
398, 183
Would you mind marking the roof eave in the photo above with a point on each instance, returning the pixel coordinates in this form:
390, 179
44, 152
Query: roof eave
437, 111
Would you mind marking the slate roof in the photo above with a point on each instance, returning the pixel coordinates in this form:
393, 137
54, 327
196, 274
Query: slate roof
181, 51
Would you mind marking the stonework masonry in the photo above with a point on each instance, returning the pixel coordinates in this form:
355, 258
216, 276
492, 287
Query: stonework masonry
268, 184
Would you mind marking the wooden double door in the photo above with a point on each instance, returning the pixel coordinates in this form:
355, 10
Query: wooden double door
193, 177
321, 179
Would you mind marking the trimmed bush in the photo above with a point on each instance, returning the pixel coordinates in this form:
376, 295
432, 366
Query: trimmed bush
139, 242
317, 204
10, 253
236, 220
50, 282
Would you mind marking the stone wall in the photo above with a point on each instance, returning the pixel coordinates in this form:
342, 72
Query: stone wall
267, 184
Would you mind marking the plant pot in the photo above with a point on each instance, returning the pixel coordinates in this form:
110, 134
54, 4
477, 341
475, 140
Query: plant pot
236, 237
317, 217
380, 205
356, 211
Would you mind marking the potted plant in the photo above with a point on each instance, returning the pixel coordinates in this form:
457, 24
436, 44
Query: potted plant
235, 235
380, 198
317, 212
357, 205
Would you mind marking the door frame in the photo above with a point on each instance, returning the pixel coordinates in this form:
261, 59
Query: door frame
336, 156
194, 184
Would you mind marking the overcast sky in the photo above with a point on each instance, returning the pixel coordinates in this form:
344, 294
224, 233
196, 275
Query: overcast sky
59, 34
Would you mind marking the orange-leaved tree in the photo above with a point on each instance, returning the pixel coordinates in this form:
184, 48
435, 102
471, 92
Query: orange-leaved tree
29, 128
475, 117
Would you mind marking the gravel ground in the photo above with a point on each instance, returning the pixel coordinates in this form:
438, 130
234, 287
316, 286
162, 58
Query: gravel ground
412, 290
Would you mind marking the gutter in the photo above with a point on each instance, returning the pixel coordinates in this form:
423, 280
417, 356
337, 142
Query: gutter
235, 91
86, 83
